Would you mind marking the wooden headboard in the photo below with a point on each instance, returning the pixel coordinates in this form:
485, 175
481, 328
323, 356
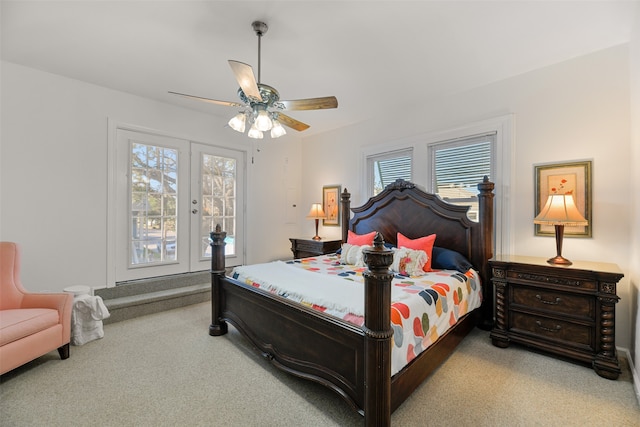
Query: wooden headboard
403, 207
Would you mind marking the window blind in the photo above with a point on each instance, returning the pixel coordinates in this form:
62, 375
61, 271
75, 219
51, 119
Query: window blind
462, 163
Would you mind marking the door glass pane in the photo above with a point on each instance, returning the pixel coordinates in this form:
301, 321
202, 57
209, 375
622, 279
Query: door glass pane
218, 201
153, 212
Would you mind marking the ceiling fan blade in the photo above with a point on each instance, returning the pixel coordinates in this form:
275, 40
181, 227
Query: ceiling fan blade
212, 101
292, 123
311, 103
246, 79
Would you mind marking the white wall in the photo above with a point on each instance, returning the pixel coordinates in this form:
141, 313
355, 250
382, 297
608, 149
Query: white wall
54, 173
577, 109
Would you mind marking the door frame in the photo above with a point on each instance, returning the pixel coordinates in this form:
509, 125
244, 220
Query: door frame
112, 143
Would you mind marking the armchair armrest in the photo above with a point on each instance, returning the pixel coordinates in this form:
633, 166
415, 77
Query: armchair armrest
63, 302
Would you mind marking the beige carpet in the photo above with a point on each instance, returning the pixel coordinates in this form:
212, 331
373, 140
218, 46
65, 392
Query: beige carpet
164, 370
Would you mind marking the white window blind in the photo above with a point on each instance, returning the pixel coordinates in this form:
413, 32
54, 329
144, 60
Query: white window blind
457, 166
387, 168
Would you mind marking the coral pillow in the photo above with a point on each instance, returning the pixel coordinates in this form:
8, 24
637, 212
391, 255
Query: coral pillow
360, 239
422, 244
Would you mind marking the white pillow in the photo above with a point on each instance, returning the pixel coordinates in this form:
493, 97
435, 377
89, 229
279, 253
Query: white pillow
352, 255
409, 262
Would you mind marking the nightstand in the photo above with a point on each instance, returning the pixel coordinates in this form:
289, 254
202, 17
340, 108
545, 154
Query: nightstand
566, 310
303, 248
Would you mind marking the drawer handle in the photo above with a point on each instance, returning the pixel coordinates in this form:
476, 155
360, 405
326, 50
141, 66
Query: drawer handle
556, 329
556, 302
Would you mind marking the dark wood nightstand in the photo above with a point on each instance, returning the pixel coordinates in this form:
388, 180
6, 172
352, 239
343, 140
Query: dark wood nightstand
569, 311
303, 248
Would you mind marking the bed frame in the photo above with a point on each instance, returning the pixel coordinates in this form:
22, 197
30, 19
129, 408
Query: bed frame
355, 361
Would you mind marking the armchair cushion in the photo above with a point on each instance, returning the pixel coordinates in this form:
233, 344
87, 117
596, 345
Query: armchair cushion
20, 323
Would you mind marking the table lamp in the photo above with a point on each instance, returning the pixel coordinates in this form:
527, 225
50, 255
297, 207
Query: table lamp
316, 213
560, 210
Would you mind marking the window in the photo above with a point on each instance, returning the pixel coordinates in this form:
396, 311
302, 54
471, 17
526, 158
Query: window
451, 163
383, 169
457, 166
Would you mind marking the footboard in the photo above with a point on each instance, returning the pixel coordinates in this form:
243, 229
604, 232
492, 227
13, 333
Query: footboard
352, 361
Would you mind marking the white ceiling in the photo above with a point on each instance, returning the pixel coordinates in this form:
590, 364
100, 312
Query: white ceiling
373, 56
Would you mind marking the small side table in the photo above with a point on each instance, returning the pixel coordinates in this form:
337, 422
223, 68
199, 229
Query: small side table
566, 310
303, 248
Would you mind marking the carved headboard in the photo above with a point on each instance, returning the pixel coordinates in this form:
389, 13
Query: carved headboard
403, 207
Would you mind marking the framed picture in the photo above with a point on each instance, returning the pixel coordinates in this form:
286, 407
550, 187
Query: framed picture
562, 178
331, 205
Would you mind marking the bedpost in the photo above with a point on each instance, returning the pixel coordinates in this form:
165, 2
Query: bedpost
217, 327
378, 334
345, 201
485, 206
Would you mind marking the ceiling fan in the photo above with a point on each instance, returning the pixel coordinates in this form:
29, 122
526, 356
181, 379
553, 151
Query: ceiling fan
261, 107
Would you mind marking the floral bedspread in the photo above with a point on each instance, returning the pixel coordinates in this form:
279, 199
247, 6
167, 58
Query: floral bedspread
422, 308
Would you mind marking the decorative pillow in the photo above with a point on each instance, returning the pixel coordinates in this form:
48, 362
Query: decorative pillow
352, 254
446, 259
408, 262
423, 243
360, 239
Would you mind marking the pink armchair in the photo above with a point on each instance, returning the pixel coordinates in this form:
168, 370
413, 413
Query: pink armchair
31, 324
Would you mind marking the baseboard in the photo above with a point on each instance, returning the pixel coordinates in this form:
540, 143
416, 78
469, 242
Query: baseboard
635, 375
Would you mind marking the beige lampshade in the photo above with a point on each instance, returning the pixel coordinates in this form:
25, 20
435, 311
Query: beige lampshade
316, 212
560, 209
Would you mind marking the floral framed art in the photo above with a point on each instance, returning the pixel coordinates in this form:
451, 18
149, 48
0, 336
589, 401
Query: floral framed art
331, 205
564, 178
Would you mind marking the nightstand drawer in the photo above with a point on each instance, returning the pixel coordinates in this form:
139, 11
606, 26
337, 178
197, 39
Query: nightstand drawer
566, 333
556, 302
568, 282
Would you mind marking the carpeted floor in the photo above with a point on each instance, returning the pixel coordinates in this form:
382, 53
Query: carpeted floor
164, 370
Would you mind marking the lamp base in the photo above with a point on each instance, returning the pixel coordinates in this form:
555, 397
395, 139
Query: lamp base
316, 237
559, 260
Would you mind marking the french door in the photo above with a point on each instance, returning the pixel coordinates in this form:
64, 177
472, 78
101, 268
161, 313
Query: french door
217, 189
170, 193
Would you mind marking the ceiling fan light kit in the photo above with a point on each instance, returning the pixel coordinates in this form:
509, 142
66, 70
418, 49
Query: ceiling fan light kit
238, 122
261, 105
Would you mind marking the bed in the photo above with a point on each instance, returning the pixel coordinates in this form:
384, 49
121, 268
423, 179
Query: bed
352, 360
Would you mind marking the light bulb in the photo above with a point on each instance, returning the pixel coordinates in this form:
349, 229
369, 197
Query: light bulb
237, 122
263, 121
254, 132
277, 130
